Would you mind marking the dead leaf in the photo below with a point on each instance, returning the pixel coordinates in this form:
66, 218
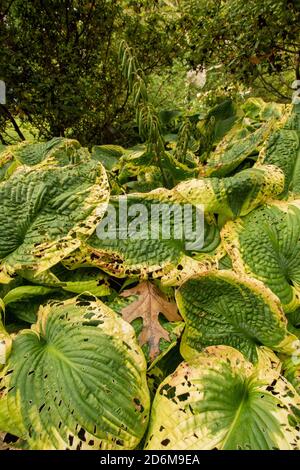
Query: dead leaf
150, 303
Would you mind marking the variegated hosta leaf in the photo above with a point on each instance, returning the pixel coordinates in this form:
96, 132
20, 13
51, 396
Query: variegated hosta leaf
25, 292
291, 370
266, 244
108, 155
61, 150
46, 211
225, 308
83, 280
241, 142
221, 401
229, 155
123, 254
283, 150
76, 380
235, 195
5, 341
145, 254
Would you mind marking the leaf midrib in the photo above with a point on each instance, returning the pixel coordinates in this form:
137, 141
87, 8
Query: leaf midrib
236, 418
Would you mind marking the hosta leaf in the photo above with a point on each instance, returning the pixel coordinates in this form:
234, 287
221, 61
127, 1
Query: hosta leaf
221, 401
26, 310
291, 370
144, 255
83, 280
108, 155
45, 212
25, 292
5, 342
228, 156
266, 245
75, 380
61, 150
163, 365
235, 195
225, 308
283, 150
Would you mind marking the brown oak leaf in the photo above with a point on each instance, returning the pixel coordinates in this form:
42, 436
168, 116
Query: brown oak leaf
150, 303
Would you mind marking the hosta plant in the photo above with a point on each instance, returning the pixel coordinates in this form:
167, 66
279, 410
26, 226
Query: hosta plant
198, 333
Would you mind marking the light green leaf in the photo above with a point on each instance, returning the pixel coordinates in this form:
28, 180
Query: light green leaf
108, 155
229, 155
5, 340
221, 401
58, 149
76, 380
84, 280
291, 370
235, 195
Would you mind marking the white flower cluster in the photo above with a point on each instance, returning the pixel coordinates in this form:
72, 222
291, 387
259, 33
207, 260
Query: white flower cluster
196, 78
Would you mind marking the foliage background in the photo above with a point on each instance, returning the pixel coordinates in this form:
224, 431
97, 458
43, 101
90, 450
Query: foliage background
59, 60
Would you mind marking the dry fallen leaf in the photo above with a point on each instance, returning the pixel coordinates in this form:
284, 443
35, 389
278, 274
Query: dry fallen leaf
150, 303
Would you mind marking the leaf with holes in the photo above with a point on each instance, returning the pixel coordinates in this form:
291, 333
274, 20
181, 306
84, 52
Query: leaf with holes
61, 150
225, 308
76, 380
221, 401
162, 244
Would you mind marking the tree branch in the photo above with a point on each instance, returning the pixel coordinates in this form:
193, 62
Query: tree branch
274, 90
6, 111
297, 71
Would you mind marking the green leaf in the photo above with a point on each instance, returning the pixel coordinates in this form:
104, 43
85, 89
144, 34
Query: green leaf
76, 380
221, 401
225, 308
283, 150
25, 292
46, 211
291, 370
265, 245
86, 280
228, 156
5, 341
143, 254
235, 195
108, 155
59, 150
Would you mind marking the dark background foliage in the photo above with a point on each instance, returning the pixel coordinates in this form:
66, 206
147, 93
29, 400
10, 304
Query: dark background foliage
59, 58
